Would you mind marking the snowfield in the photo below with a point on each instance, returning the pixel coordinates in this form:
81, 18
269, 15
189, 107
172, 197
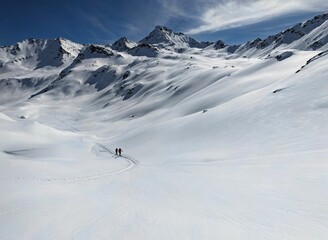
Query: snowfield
217, 145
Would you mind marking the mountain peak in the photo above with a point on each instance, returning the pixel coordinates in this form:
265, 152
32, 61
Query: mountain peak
219, 45
165, 30
123, 44
162, 36
162, 28
144, 49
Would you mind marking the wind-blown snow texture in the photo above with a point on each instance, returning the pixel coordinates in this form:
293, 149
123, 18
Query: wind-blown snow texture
228, 142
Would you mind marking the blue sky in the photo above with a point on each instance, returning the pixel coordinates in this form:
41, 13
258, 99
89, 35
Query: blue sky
101, 21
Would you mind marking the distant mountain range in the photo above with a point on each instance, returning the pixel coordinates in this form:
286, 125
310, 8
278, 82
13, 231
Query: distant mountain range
40, 66
309, 35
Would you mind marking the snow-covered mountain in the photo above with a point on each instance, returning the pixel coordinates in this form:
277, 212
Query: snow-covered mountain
164, 37
123, 45
144, 49
94, 51
309, 35
298, 32
219, 141
38, 53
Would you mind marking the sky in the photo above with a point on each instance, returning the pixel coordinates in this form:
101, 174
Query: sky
105, 21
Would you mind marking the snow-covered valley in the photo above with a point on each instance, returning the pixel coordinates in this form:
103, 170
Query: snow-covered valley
219, 141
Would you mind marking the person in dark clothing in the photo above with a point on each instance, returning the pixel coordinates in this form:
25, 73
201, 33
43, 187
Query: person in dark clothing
120, 151
116, 151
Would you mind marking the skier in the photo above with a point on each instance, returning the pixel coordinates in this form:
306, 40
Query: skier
116, 150
120, 151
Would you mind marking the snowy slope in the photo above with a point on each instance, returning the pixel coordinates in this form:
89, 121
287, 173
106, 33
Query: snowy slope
217, 144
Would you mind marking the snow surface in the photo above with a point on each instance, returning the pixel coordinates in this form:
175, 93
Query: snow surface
216, 145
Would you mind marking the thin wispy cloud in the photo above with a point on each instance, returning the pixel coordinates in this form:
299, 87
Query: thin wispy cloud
236, 13
182, 8
95, 21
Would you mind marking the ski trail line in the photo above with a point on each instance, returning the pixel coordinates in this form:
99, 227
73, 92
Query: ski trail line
64, 122
132, 163
130, 159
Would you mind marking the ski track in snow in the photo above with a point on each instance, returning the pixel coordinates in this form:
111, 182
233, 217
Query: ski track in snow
132, 164
64, 122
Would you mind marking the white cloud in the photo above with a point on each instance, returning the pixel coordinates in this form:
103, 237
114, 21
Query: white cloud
237, 13
186, 9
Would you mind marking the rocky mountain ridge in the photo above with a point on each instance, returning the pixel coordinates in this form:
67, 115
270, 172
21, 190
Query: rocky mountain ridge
309, 35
